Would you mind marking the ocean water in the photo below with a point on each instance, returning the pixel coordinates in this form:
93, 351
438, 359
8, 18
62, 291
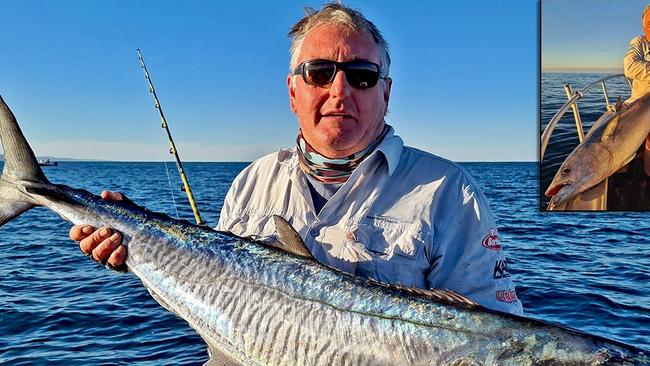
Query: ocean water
587, 271
565, 135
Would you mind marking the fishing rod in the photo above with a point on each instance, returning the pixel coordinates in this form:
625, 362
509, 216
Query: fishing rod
172, 146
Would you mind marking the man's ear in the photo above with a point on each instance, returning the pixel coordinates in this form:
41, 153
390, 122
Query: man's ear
389, 83
292, 93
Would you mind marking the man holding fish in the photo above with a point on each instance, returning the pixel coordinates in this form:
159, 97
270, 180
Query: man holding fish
362, 201
637, 68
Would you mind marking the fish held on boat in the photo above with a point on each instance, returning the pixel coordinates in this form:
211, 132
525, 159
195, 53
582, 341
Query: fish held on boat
605, 149
272, 303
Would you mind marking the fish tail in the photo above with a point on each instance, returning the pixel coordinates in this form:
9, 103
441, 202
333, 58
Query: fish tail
20, 168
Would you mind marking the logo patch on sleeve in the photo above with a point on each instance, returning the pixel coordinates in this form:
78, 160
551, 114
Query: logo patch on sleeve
500, 270
491, 241
508, 296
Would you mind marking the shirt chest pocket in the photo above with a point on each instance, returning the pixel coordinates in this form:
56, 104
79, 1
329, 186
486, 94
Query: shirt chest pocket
396, 250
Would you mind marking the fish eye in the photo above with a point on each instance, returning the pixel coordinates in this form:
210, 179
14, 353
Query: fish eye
566, 171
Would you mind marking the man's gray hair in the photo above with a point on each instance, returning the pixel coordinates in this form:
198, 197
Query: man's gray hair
645, 10
337, 13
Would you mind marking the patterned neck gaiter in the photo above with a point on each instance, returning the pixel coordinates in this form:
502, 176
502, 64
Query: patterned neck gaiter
329, 170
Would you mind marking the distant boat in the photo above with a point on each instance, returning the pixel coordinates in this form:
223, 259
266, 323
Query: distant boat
47, 162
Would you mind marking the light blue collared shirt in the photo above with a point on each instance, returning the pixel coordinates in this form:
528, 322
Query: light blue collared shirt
403, 217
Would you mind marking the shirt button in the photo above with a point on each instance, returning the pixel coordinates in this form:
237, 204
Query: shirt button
314, 232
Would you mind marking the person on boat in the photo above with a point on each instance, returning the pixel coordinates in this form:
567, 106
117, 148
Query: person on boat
636, 66
362, 201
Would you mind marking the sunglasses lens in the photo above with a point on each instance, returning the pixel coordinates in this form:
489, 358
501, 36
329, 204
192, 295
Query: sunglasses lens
319, 73
362, 75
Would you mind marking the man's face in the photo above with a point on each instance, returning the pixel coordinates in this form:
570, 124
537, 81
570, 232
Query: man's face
338, 120
646, 25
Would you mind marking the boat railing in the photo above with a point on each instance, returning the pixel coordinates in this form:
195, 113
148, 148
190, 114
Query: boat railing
572, 103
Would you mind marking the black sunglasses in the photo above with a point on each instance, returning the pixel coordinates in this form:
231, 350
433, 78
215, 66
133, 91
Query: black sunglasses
359, 74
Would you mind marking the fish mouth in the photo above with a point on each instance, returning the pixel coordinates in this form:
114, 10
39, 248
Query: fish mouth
560, 194
554, 189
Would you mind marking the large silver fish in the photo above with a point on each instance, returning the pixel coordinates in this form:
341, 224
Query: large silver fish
606, 148
263, 304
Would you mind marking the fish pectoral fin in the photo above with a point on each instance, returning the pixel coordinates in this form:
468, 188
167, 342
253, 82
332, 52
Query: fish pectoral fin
159, 299
629, 158
288, 238
218, 358
610, 128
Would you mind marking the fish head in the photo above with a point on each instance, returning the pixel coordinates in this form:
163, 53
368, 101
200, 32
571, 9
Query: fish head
583, 168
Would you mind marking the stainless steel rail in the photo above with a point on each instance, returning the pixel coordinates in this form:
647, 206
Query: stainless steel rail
574, 97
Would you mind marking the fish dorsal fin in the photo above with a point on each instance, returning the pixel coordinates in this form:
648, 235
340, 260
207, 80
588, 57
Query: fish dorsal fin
288, 238
445, 296
610, 128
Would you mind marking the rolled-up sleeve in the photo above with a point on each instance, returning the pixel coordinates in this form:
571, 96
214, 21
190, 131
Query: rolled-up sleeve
230, 201
241, 213
468, 253
635, 65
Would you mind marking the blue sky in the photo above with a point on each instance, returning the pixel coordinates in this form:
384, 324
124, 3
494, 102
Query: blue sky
588, 34
464, 76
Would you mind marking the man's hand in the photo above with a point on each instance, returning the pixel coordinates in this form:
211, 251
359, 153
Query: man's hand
103, 245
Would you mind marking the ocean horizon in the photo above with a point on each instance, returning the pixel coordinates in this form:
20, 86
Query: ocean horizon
76, 160
581, 70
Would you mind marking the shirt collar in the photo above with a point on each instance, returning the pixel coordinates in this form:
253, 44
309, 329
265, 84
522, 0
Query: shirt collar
391, 148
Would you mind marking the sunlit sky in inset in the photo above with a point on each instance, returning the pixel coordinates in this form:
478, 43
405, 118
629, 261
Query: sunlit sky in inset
587, 35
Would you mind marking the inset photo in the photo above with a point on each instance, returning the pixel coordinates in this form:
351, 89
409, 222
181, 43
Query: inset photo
595, 106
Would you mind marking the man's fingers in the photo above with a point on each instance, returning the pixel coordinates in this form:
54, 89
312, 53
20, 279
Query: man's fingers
104, 249
112, 196
103, 245
88, 244
118, 256
80, 232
